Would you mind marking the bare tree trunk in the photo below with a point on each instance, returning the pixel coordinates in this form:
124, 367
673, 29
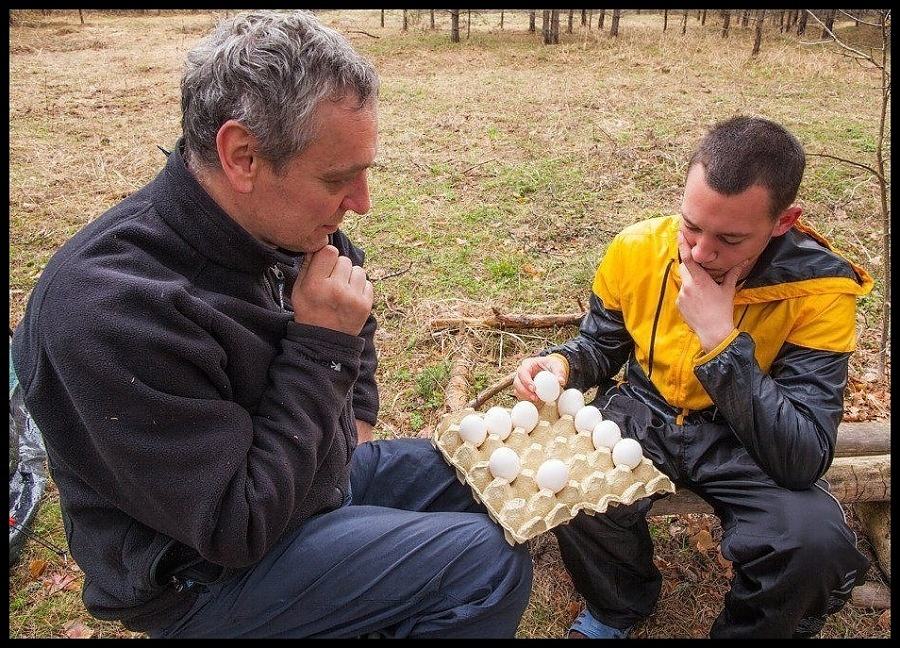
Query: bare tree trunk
405, 23
760, 16
781, 22
382, 17
801, 25
882, 185
665, 19
703, 18
590, 20
432, 18
726, 21
531, 21
684, 22
601, 19
81, 16
829, 23
554, 26
454, 25
501, 19
545, 26
745, 18
569, 27
583, 17
614, 26
468, 23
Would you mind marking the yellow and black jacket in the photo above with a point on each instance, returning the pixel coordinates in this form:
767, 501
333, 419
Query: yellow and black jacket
777, 380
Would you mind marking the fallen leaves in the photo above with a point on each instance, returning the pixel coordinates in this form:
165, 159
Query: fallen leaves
703, 540
725, 564
60, 581
36, 567
867, 398
77, 630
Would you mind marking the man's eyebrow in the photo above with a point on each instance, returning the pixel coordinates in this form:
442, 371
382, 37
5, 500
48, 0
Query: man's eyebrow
348, 171
732, 234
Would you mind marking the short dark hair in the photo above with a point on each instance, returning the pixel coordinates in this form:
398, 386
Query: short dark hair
744, 151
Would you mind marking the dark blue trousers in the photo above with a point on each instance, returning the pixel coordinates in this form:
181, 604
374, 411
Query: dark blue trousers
794, 557
410, 554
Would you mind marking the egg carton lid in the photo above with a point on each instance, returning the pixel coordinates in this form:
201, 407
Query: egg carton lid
446, 440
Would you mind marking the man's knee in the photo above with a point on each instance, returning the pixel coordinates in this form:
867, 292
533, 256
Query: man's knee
808, 535
482, 543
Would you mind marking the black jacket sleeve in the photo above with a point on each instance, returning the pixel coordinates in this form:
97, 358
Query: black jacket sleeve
145, 389
786, 420
365, 391
600, 349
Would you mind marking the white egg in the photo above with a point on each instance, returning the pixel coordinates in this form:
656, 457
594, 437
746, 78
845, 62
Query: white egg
570, 401
627, 452
504, 463
473, 429
586, 419
546, 384
498, 422
606, 434
553, 475
524, 415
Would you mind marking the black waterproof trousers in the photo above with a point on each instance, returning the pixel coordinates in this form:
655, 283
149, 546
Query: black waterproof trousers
794, 557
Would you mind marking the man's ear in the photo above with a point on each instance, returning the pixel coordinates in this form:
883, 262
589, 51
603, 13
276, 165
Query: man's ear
237, 155
786, 220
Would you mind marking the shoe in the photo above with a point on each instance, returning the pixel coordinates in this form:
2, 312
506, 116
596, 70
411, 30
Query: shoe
589, 628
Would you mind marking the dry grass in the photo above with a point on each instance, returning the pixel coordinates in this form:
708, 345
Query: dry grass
504, 169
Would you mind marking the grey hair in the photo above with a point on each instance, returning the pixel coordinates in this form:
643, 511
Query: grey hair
268, 70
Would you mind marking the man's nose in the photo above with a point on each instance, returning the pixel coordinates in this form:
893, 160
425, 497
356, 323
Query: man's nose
358, 199
703, 251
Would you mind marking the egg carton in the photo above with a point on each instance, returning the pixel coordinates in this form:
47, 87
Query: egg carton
519, 506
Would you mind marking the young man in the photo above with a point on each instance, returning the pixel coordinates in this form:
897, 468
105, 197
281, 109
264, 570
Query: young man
735, 324
200, 361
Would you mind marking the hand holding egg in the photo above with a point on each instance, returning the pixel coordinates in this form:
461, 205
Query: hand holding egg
525, 380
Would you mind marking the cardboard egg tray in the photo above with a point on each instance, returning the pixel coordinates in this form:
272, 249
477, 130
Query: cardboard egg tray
520, 507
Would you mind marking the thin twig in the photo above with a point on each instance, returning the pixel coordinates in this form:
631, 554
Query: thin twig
859, 20
392, 274
359, 31
477, 165
838, 40
486, 394
840, 159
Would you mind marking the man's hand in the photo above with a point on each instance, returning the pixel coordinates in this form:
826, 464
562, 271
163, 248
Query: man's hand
332, 293
363, 431
523, 383
707, 307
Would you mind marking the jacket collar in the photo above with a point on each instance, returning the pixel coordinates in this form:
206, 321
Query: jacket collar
198, 219
800, 262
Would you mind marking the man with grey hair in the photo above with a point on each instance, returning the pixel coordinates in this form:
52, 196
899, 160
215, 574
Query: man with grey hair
200, 361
